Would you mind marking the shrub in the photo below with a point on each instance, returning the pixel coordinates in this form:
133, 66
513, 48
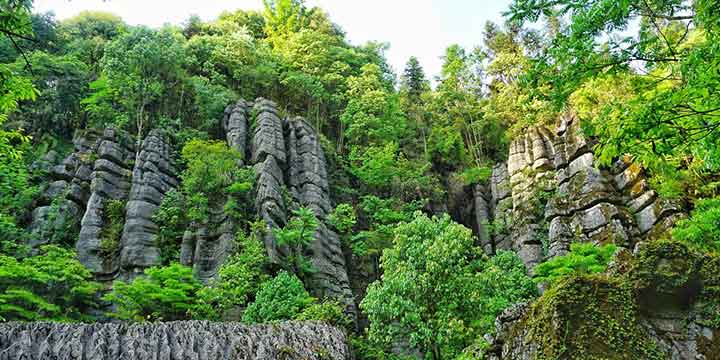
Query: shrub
237, 281
51, 286
583, 258
297, 234
282, 298
328, 311
702, 230
163, 294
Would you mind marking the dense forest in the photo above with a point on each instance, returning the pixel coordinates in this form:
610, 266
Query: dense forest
639, 78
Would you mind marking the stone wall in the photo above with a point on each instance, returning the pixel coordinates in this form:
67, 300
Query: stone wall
172, 340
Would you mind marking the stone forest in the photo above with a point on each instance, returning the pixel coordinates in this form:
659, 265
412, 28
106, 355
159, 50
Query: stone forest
256, 186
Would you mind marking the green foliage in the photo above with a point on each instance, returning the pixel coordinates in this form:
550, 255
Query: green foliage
328, 311
237, 280
50, 286
212, 173
86, 34
583, 258
476, 175
668, 118
162, 294
438, 290
343, 218
172, 221
61, 83
282, 298
285, 16
380, 217
297, 235
140, 70
114, 220
702, 230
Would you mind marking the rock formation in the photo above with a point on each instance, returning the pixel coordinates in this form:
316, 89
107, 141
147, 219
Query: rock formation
64, 200
309, 187
106, 170
551, 193
111, 179
153, 176
654, 307
172, 340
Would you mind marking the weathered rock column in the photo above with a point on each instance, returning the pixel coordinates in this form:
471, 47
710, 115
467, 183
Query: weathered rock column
309, 187
269, 159
153, 177
111, 178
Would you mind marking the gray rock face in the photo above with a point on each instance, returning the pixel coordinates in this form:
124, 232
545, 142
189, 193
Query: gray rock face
111, 177
235, 124
152, 177
309, 187
173, 340
551, 193
205, 247
69, 190
269, 159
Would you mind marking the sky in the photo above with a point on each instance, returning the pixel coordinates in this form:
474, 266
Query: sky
420, 28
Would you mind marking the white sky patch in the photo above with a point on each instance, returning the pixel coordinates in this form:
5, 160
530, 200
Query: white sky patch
421, 28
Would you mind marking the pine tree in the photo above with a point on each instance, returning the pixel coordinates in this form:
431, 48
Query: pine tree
413, 81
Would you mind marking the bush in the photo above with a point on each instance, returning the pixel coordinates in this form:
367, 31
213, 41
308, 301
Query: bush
114, 219
298, 234
51, 286
282, 298
583, 258
172, 221
237, 281
328, 311
702, 230
163, 294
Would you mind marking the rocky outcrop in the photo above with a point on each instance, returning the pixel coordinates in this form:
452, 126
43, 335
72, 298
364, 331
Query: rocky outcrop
62, 203
173, 340
658, 304
111, 178
309, 187
551, 193
235, 124
206, 246
153, 176
269, 158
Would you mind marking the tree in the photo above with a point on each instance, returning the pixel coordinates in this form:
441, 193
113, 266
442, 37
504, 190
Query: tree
413, 81
297, 235
86, 34
163, 294
438, 290
50, 286
413, 86
61, 83
16, 191
139, 70
285, 16
212, 173
670, 124
282, 298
